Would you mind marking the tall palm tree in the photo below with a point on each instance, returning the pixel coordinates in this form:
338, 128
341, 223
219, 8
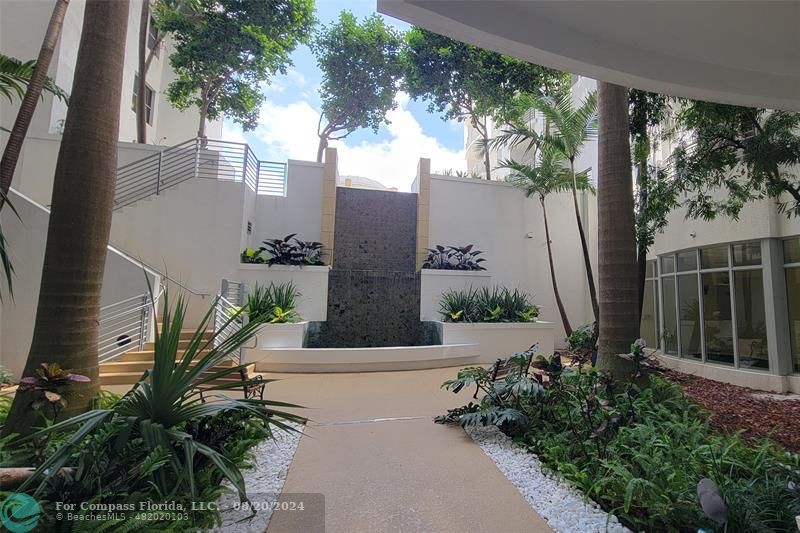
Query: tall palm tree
568, 129
550, 175
65, 331
617, 238
37, 82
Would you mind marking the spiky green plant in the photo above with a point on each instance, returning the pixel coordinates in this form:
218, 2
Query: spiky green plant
155, 413
458, 305
275, 303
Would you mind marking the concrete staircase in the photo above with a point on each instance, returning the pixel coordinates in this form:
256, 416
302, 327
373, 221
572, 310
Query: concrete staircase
128, 368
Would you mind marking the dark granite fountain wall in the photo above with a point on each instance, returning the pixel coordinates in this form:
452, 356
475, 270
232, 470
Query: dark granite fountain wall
373, 289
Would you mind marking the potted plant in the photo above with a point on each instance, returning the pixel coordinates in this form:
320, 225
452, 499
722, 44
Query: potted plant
275, 305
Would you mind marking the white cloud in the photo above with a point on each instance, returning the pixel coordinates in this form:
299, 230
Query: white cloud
289, 132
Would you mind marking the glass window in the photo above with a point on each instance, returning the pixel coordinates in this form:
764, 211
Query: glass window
791, 250
746, 254
793, 297
649, 322
668, 264
689, 308
714, 257
152, 36
717, 318
650, 269
751, 322
670, 319
148, 100
687, 261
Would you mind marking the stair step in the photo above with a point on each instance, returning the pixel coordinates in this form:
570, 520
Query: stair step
148, 355
142, 365
116, 374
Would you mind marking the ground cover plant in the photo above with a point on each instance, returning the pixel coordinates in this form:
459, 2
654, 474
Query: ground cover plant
454, 258
639, 449
495, 304
163, 440
273, 304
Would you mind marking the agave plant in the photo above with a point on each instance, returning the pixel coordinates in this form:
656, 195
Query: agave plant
458, 306
153, 416
454, 258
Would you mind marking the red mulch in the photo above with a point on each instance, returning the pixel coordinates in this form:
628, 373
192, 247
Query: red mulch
732, 408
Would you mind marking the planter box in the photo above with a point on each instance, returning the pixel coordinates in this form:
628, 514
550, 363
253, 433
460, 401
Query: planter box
311, 281
289, 335
434, 282
502, 339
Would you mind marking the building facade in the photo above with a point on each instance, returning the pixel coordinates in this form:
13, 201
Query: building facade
22, 28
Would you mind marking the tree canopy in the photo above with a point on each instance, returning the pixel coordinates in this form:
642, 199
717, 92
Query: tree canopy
226, 49
361, 68
747, 153
467, 83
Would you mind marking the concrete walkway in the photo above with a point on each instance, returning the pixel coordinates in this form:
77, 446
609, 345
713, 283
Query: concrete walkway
405, 474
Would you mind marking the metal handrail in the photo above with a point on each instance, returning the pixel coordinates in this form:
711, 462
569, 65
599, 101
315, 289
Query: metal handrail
198, 158
125, 325
227, 323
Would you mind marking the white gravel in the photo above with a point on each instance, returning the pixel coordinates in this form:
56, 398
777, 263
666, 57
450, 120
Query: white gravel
264, 483
554, 499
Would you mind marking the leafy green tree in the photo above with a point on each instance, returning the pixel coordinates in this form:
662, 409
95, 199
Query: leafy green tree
567, 129
148, 13
551, 174
656, 190
467, 83
227, 48
748, 153
361, 68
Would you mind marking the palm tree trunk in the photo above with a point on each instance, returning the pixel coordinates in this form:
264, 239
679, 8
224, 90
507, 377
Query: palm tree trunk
641, 247
561, 310
80, 221
141, 88
617, 239
32, 94
587, 260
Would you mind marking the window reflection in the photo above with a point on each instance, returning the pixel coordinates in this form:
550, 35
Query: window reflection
751, 321
717, 317
689, 305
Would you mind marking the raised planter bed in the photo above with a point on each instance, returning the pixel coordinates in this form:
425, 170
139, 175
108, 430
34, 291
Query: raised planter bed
288, 335
311, 281
435, 282
499, 340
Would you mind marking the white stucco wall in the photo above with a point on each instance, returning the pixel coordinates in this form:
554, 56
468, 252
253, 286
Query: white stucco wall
496, 217
757, 220
300, 211
311, 282
27, 236
22, 27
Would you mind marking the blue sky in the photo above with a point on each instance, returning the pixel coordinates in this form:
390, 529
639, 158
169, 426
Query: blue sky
287, 127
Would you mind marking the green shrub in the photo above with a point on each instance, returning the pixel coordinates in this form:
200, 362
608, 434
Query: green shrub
496, 304
164, 439
640, 453
275, 303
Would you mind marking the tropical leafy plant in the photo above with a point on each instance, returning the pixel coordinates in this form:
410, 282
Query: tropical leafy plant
15, 76
252, 255
275, 303
48, 383
495, 304
151, 443
292, 251
453, 258
638, 452
502, 401
581, 340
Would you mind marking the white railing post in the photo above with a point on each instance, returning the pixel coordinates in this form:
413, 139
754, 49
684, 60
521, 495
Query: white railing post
258, 173
244, 164
143, 323
196, 157
158, 174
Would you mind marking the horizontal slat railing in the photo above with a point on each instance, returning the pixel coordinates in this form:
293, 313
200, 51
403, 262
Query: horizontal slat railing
196, 158
125, 326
